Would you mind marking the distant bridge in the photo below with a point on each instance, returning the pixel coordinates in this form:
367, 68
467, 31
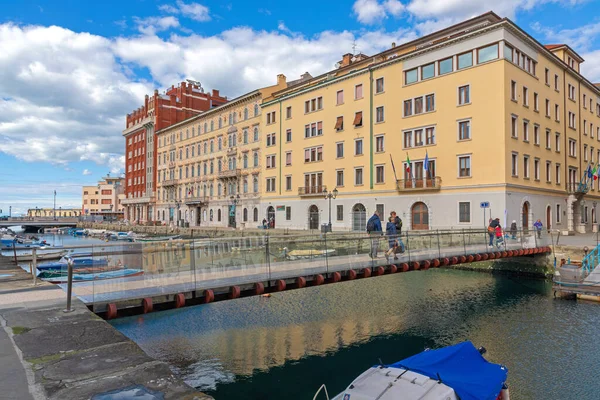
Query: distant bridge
182, 272
33, 224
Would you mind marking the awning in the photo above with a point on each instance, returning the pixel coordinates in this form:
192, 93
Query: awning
358, 118
339, 124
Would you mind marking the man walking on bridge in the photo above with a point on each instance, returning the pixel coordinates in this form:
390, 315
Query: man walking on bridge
375, 231
492, 230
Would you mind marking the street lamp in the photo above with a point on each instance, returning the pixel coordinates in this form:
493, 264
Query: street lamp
59, 211
235, 200
329, 196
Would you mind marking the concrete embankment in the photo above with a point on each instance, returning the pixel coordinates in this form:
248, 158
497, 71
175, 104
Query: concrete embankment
47, 353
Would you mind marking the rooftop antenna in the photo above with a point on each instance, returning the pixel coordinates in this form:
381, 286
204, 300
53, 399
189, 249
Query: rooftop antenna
354, 46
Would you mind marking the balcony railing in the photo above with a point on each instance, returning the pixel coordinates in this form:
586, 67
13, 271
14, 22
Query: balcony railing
577, 188
230, 173
196, 200
170, 182
429, 184
312, 190
232, 151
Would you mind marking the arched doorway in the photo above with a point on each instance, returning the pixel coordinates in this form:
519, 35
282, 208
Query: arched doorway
525, 216
271, 217
549, 217
313, 217
420, 217
359, 217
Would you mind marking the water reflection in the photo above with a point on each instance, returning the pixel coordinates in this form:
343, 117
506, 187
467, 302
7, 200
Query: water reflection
299, 339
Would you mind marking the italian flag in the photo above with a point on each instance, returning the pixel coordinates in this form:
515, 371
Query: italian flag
595, 172
407, 163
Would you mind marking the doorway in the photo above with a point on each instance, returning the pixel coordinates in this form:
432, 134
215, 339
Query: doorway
313, 217
549, 218
525, 217
271, 217
359, 217
420, 217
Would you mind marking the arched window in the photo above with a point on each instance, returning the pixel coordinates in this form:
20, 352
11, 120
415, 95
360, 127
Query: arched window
212, 126
187, 172
212, 146
211, 190
205, 148
198, 169
212, 167
255, 185
181, 154
205, 126
245, 185
231, 163
234, 117
230, 118
234, 140
220, 145
255, 110
193, 148
255, 159
256, 134
192, 170
255, 216
219, 189
245, 215
187, 152
211, 215
205, 191
205, 167
220, 165
245, 160
245, 113
220, 123
193, 131
219, 215
245, 136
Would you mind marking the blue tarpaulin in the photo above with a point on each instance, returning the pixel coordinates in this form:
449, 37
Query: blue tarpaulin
460, 367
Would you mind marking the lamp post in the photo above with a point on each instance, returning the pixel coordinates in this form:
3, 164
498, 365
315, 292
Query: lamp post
329, 196
59, 211
235, 200
178, 205
54, 205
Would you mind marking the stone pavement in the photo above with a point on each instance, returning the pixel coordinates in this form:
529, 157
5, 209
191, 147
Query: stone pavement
582, 239
48, 354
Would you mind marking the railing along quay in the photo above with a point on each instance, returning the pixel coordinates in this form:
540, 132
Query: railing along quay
140, 275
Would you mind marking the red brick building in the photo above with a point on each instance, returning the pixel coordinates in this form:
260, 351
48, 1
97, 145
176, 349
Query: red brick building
158, 112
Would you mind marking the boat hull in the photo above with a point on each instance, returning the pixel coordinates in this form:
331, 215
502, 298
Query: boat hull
122, 273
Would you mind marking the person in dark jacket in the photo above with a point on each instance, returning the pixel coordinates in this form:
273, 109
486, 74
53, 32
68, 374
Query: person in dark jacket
492, 230
375, 231
392, 235
513, 229
397, 221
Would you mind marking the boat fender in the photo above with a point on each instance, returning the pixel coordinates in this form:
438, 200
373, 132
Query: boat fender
379, 271
280, 285
301, 282
259, 288
336, 277
351, 274
111, 311
366, 272
234, 292
416, 265
318, 280
179, 300
147, 305
393, 269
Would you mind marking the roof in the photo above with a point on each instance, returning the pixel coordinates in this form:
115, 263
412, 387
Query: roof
460, 367
553, 46
566, 46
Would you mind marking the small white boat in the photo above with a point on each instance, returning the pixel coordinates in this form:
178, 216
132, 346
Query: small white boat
458, 372
41, 254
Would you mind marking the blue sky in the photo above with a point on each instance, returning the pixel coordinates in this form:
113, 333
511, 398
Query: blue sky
70, 70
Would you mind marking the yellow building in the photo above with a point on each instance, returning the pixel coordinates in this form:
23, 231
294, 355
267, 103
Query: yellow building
476, 113
59, 212
208, 166
104, 198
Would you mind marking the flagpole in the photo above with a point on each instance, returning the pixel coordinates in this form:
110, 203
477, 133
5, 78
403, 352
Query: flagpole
393, 168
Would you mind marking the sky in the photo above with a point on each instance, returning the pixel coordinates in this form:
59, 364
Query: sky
71, 70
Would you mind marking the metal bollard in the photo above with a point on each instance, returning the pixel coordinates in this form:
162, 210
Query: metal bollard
69, 285
34, 265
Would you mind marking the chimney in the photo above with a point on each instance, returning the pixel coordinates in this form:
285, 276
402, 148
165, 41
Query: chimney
215, 93
281, 80
346, 59
393, 44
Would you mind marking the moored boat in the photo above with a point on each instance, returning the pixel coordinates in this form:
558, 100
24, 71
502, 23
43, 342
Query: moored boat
77, 263
59, 273
120, 273
458, 372
41, 254
157, 238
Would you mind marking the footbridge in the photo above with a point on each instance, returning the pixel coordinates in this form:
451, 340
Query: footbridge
166, 274
34, 224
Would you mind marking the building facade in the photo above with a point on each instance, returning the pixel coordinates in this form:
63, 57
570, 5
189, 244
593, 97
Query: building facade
476, 114
209, 165
104, 199
158, 112
59, 212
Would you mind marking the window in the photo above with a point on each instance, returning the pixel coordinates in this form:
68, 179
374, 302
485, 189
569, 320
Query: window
464, 130
288, 112
270, 184
465, 60
339, 124
379, 114
408, 139
514, 158
464, 166
487, 53
536, 169
464, 212
513, 90
379, 143
407, 108
314, 129
556, 82
557, 174
513, 127
288, 135
445, 66
547, 76
536, 135
271, 161
358, 120
572, 148
339, 97
358, 147
313, 154
430, 102
508, 52
358, 92
548, 169
358, 176
556, 112
288, 183
571, 92
585, 127
571, 120
585, 154
379, 174
339, 212
270, 139
379, 85
410, 76
416, 137
429, 136
312, 105
558, 214
339, 178
525, 96
536, 102
526, 131
557, 142
256, 134
288, 213
548, 139
464, 94
255, 159
288, 158
547, 108
271, 117
428, 71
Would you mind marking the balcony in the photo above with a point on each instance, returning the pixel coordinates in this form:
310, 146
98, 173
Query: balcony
198, 200
577, 188
232, 151
414, 185
230, 173
311, 191
170, 182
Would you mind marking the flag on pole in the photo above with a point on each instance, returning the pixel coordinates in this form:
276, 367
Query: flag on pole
589, 172
407, 163
393, 167
426, 166
594, 172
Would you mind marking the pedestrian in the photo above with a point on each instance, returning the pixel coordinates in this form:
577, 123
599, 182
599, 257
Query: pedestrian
538, 227
492, 229
264, 222
513, 229
374, 230
499, 236
397, 221
392, 234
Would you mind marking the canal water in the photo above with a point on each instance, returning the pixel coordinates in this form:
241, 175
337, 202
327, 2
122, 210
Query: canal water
288, 345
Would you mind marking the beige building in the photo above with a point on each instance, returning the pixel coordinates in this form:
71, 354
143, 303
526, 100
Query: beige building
59, 212
208, 166
104, 199
476, 113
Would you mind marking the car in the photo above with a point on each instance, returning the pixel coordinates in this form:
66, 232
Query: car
4, 218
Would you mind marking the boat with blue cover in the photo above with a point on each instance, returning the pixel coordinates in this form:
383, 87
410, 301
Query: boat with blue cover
458, 372
63, 263
120, 273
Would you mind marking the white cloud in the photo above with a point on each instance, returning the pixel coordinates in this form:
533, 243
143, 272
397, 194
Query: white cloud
152, 25
195, 11
394, 7
580, 38
374, 11
87, 172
